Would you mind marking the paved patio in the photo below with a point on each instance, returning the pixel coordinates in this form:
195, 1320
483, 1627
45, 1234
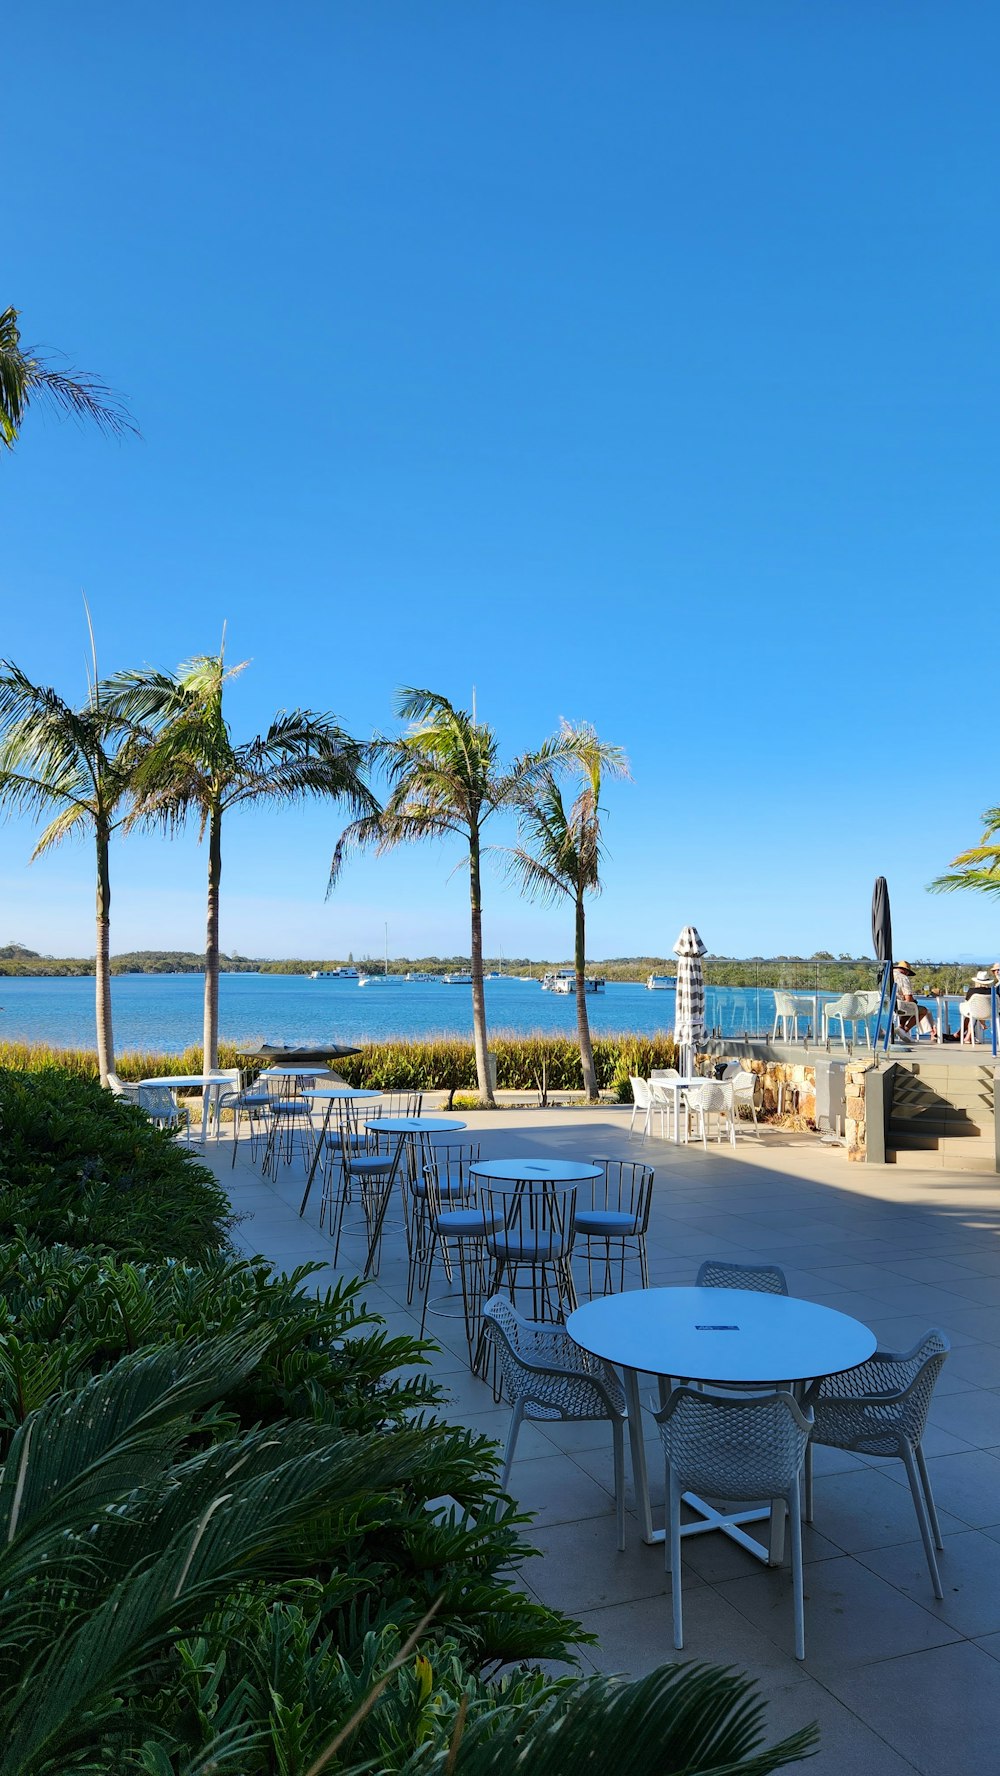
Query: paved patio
897, 1681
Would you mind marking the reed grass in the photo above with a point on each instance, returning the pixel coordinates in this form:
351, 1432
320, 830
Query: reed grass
440, 1063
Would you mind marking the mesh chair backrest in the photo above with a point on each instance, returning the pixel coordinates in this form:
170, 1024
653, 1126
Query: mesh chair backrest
784, 1004
625, 1186
979, 1006
640, 1092
847, 1006
736, 1447
914, 1371
586, 1388
763, 1279
664, 1073
710, 1096
744, 1084
868, 1004
157, 1100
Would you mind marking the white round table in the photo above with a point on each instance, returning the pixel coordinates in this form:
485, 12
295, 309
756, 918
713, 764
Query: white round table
718, 1336
535, 1171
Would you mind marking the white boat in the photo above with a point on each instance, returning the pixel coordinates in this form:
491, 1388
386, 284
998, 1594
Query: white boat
551, 982
566, 983
333, 974
458, 980
661, 983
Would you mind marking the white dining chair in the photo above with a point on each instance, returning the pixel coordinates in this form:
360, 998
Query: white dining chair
745, 1087
787, 1012
642, 1105
747, 1447
708, 1100
548, 1378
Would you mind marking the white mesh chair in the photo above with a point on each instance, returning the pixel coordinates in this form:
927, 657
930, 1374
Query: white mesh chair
119, 1088
720, 1273
748, 1447
744, 1086
975, 1011
642, 1104
162, 1107
845, 1010
665, 1101
617, 1216
708, 1100
787, 1012
547, 1377
880, 1409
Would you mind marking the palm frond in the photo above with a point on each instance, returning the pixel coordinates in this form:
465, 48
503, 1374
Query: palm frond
983, 881
25, 375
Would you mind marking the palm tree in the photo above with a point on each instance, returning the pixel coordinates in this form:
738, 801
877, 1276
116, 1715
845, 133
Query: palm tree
74, 764
979, 867
561, 851
24, 375
192, 765
445, 780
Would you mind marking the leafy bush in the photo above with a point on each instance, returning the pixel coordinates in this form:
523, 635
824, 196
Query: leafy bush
77, 1165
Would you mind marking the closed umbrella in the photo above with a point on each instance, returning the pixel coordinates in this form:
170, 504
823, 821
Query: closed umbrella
689, 1003
882, 944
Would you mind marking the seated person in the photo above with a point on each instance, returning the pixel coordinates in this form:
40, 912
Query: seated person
978, 988
913, 1018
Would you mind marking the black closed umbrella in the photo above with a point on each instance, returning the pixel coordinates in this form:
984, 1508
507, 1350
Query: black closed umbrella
882, 941
320, 1052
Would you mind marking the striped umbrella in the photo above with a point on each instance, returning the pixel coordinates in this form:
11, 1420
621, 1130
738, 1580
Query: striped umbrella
689, 1003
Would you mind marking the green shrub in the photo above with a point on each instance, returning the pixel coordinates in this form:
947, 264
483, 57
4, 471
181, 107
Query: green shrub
80, 1166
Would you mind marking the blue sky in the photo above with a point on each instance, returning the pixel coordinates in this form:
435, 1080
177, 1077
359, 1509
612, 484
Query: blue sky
635, 363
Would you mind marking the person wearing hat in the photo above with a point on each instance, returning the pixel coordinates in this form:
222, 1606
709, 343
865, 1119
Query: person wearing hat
978, 988
913, 1018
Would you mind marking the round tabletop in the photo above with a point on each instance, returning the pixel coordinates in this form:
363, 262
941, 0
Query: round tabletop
175, 1079
721, 1335
536, 1171
340, 1091
414, 1125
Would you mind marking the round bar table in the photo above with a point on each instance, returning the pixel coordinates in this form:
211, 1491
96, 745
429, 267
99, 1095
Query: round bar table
404, 1128
328, 1095
723, 1337
535, 1170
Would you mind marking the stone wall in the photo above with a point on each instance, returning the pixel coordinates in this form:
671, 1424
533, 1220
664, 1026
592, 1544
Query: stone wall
798, 1096
856, 1125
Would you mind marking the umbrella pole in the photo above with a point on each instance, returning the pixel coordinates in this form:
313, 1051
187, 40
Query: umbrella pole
886, 966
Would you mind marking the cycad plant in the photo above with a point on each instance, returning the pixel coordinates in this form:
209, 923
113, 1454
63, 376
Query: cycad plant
560, 853
24, 377
446, 781
74, 765
191, 764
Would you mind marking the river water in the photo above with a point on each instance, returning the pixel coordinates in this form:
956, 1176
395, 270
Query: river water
163, 1012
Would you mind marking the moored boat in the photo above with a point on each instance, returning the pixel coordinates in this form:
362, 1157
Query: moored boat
661, 983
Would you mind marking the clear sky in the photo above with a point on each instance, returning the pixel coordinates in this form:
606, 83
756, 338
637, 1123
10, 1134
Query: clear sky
633, 362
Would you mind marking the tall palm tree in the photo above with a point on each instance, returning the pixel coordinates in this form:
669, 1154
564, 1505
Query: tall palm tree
192, 765
25, 376
979, 867
561, 852
446, 781
75, 765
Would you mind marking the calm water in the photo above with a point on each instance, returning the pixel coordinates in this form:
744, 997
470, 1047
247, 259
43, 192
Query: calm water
163, 1012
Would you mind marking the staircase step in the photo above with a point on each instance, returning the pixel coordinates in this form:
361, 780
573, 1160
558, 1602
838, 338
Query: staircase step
922, 1128
927, 1161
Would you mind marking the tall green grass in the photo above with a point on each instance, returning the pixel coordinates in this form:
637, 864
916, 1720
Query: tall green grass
443, 1063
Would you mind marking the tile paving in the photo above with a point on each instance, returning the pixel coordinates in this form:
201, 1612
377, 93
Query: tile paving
898, 1682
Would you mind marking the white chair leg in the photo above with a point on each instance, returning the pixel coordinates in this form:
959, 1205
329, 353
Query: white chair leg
618, 1436
919, 1505
809, 1481
795, 1513
511, 1444
928, 1496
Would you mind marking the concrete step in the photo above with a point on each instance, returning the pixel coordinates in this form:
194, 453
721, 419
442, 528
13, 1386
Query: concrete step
920, 1161
904, 1128
959, 1146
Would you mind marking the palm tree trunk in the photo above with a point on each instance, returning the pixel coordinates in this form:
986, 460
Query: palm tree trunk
478, 993
582, 1020
102, 966
210, 1034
